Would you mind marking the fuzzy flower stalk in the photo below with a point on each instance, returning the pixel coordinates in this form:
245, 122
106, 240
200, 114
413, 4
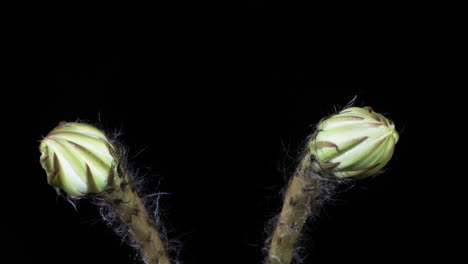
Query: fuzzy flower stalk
354, 143
82, 161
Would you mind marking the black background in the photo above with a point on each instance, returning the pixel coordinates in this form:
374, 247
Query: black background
215, 100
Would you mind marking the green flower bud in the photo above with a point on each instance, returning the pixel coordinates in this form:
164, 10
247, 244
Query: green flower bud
79, 159
356, 142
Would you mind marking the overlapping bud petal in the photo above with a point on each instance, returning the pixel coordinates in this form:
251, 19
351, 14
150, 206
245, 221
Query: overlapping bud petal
79, 159
356, 142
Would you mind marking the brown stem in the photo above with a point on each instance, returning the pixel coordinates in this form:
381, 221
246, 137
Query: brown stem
303, 190
130, 209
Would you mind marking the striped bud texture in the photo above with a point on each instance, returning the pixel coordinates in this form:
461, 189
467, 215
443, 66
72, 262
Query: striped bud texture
79, 159
356, 142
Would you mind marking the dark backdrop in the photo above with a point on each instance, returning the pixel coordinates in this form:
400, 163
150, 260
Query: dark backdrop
215, 100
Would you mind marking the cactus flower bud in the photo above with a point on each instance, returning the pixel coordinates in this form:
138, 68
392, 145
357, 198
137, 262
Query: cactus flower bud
79, 159
356, 142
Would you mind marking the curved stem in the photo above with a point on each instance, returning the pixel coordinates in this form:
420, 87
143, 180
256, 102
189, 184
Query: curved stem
130, 209
302, 191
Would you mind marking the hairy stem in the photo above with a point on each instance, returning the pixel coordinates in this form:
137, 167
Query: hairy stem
130, 209
304, 190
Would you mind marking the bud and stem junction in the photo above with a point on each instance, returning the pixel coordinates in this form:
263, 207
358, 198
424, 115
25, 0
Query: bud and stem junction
356, 142
83, 162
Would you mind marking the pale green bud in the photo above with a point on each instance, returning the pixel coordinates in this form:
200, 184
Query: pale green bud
79, 159
356, 142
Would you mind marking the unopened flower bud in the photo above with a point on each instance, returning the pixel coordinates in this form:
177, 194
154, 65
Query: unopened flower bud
356, 142
79, 159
